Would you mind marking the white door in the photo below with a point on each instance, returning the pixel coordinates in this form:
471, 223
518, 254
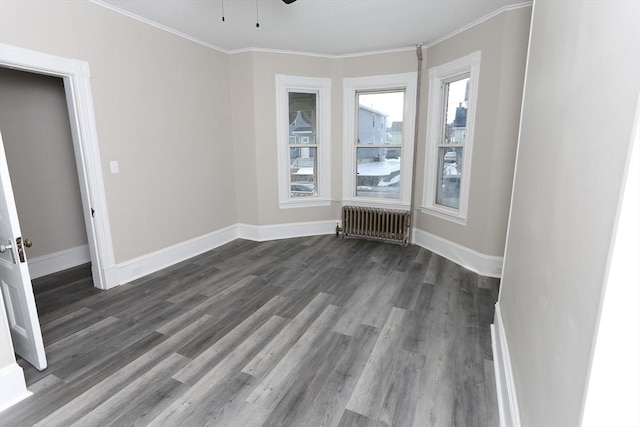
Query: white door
15, 281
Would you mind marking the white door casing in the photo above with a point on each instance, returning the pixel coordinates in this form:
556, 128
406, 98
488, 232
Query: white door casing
77, 84
15, 281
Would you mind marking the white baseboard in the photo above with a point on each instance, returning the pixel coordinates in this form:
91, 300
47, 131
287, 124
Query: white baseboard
507, 399
147, 264
58, 261
285, 231
485, 265
12, 386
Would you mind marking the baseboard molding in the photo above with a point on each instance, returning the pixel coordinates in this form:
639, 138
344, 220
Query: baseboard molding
13, 389
139, 267
507, 399
150, 263
485, 265
285, 231
58, 261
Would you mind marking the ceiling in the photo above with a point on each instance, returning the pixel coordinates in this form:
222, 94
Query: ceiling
323, 27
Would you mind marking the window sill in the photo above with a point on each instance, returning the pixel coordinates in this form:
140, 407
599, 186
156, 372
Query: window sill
452, 215
376, 203
306, 203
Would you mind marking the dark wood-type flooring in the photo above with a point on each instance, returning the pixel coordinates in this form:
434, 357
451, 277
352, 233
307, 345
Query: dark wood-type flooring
313, 331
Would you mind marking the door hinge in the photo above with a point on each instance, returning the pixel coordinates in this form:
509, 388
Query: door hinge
93, 212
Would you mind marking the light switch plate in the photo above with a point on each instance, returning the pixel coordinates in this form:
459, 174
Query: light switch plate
115, 167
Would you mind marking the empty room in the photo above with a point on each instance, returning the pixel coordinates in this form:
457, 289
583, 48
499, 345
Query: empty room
319, 213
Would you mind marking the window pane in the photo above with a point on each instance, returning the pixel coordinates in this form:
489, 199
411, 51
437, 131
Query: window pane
303, 168
380, 120
456, 104
302, 118
449, 174
377, 174
380, 117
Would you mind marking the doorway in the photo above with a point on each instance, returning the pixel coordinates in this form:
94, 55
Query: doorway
39, 150
77, 85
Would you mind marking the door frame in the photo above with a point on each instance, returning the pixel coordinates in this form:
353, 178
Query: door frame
76, 75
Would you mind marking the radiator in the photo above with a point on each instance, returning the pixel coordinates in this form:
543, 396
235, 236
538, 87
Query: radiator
375, 223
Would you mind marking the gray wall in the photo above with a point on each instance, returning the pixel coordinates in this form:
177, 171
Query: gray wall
35, 129
502, 41
162, 110
263, 141
583, 80
243, 127
163, 107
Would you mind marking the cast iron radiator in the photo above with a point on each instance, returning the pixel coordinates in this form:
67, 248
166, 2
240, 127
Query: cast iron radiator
375, 223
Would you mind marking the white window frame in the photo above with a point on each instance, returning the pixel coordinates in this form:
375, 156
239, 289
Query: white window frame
438, 77
322, 88
351, 86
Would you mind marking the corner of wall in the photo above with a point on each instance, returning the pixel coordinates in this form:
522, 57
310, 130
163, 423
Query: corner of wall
485, 265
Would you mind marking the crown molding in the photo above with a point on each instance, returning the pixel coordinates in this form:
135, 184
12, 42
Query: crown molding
321, 55
479, 21
158, 26
302, 53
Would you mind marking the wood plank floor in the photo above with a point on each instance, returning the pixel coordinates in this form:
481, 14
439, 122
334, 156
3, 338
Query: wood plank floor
314, 331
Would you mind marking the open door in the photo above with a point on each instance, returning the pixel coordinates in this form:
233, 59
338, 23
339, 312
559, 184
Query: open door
15, 281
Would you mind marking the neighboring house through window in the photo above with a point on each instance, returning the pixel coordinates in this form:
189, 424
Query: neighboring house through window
303, 129
452, 99
379, 116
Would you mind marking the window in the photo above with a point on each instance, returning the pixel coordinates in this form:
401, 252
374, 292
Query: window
303, 129
452, 99
378, 151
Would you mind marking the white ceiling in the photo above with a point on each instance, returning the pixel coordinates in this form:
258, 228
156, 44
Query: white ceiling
324, 27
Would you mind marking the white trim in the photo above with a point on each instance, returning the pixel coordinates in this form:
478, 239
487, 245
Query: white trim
285, 231
136, 268
411, 48
351, 85
378, 203
244, 49
506, 392
485, 265
479, 21
180, 34
322, 88
305, 202
438, 75
501, 386
444, 212
291, 52
139, 267
92, 189
13, 388
321, 55
76, 75
58, 261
